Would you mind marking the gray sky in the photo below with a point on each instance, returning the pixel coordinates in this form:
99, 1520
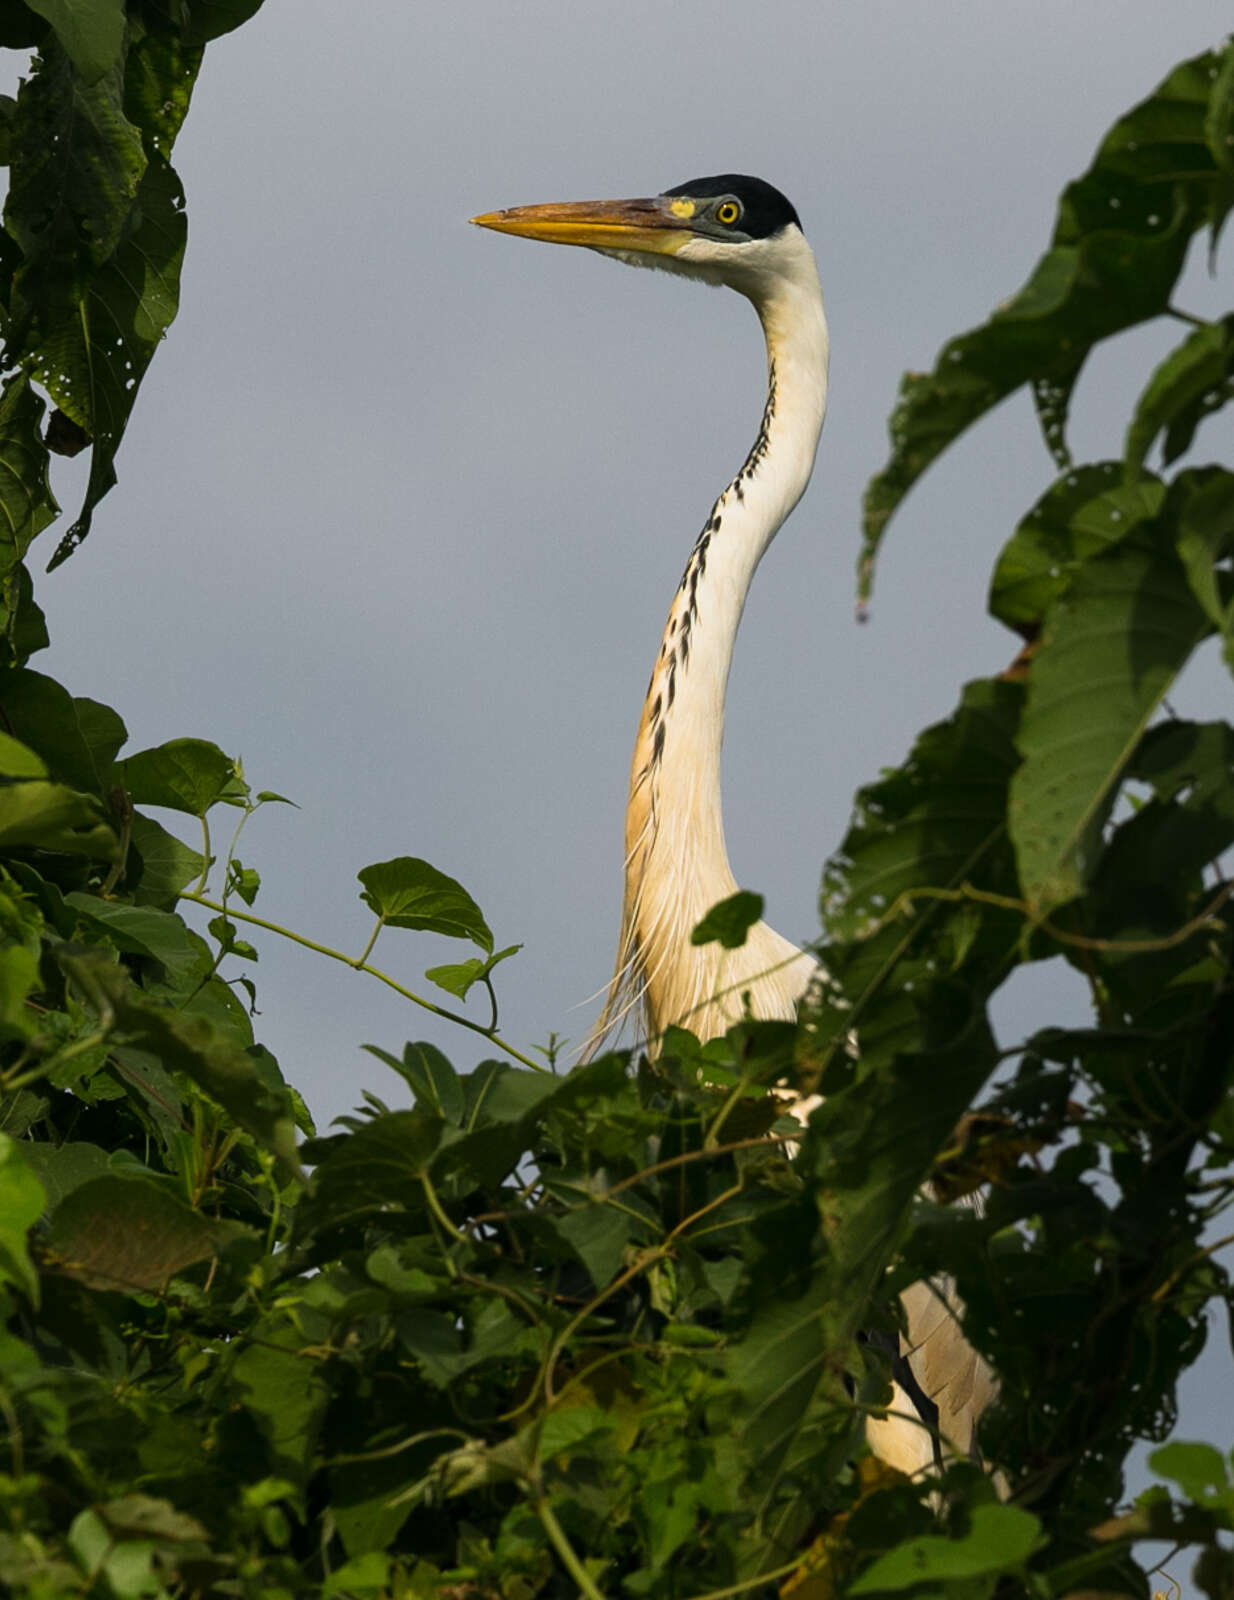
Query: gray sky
404, 503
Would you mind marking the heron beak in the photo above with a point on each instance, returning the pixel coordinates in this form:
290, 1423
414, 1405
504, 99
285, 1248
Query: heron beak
657, 226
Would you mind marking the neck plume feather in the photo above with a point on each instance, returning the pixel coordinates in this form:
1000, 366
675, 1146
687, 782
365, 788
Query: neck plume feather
677, 864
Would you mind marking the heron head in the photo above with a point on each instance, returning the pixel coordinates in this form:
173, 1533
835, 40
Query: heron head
728, 229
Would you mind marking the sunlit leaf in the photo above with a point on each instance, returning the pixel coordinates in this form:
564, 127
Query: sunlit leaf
22, 1199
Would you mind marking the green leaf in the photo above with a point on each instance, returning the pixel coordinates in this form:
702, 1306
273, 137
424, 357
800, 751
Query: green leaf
1193, 381
730, 921
164, 863
1119, 244
1109, 652
1202, 504
77, 163
78, 739
409, 893
22, 1200
434, 1082
459, 977
50, 816
565, 1428
378, 1166
1199, 1470
141, 931
93, 362
1001, 1539
62, 1168
1081, 514
189, 775
16, 761
599, 1235
196, 1045
91, 32
130, 1234
286, 1394
27, 505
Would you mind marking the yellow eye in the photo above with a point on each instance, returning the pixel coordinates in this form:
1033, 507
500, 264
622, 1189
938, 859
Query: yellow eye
728, 212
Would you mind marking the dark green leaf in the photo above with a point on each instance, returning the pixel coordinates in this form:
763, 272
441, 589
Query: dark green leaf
730, 921
1194, 380
164, 864
409, 893
185, 775
1085, 512
434, 1082
77, 163
77, 739
141, 931
91, 34
1109, 652
93, 362
196, 1045
128, 1233
286, 1393
62, 1168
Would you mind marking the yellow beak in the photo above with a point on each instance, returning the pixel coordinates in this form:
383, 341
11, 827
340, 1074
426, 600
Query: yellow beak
654, 225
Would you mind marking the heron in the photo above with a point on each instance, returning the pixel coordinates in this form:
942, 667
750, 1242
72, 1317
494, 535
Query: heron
741, 233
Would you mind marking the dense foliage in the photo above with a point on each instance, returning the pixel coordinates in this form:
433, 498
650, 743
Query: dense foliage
603, 1330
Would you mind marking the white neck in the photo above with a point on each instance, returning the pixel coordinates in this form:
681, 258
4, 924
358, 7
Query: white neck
677, 864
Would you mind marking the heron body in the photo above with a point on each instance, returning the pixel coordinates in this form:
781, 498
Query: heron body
738, 232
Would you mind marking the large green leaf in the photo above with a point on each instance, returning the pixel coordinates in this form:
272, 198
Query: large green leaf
92, 362
189, 775
1109, 652
1119, 244
129, 1233
1083, 513
76, 166
77, 739
91, 34
409, 893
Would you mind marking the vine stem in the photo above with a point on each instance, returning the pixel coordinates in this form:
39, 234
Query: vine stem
362, 966
563, 1547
